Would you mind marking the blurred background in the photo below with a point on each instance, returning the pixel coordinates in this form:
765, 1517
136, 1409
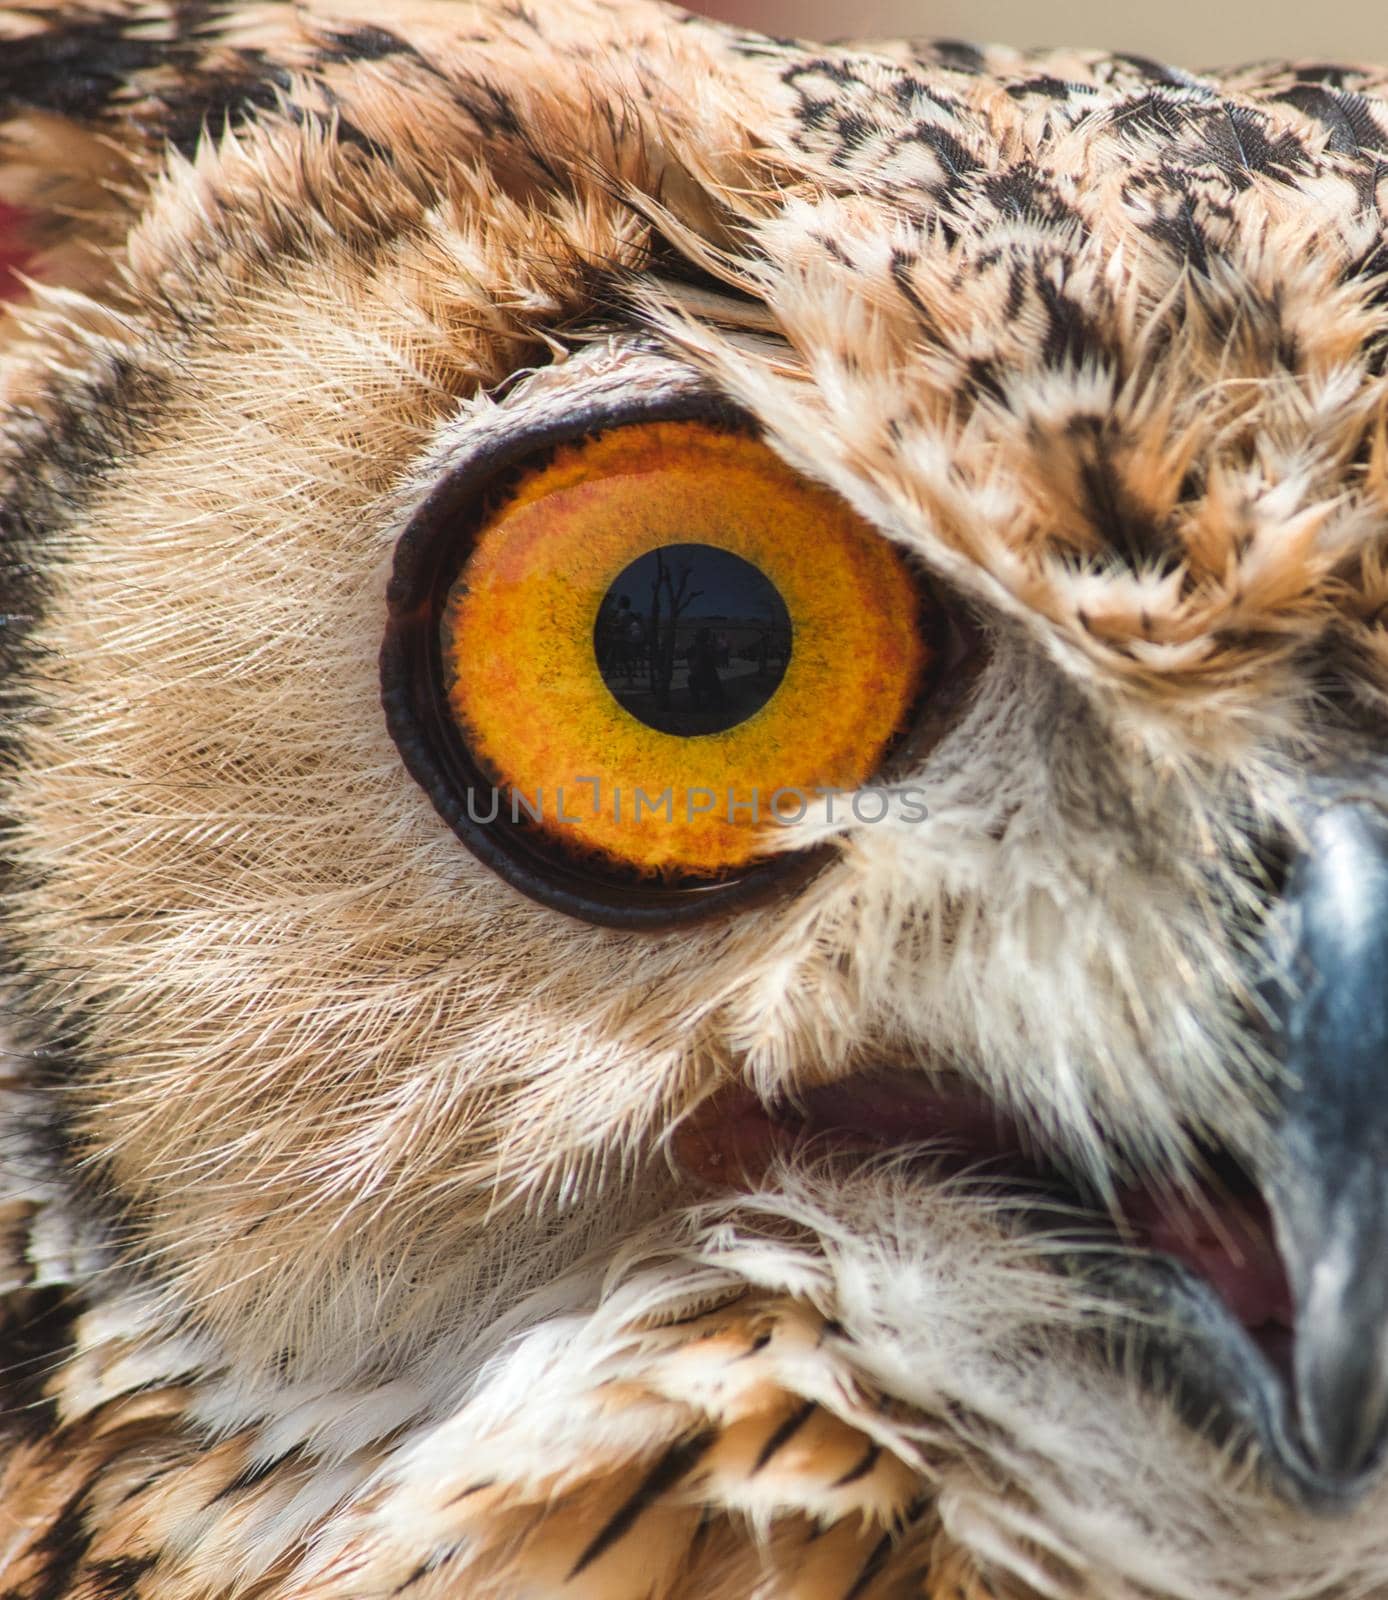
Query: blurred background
1191, 33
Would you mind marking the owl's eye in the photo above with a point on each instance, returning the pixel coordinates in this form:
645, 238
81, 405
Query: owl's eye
617, 661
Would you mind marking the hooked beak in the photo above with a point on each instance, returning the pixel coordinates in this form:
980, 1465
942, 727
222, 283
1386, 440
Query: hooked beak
1327, 1178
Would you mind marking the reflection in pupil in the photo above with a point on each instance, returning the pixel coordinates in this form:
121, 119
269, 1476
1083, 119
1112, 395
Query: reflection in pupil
691, 639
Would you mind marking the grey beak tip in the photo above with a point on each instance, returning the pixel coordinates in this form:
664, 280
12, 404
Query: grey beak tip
1328, 1190
1342, 1388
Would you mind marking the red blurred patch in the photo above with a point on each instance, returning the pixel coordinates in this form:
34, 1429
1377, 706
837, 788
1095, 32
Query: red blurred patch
14, 250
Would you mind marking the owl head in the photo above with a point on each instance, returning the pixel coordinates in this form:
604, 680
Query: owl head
696, 825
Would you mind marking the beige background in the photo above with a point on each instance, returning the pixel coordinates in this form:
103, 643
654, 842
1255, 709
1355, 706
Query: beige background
1189, 32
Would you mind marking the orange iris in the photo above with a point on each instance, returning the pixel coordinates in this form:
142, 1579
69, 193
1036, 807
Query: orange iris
532, 631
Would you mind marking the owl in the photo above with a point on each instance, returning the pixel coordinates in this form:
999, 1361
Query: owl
695, 845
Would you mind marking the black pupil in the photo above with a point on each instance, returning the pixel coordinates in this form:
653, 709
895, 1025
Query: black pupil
691, 639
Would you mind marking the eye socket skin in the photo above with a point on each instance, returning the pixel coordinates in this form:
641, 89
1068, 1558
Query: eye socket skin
516, 663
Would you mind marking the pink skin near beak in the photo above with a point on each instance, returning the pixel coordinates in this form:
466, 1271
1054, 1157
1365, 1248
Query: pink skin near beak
1222, 1234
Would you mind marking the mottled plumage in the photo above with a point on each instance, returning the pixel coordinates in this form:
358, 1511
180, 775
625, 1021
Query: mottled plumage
355, 1235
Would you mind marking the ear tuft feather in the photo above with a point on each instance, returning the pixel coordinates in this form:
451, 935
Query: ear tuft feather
92, 97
